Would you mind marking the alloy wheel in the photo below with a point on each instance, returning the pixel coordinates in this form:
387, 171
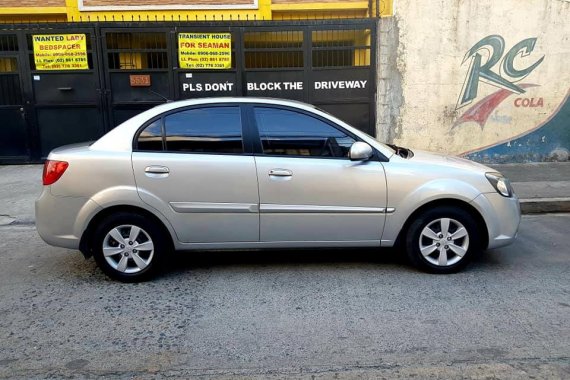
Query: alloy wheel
444, 242
128, 249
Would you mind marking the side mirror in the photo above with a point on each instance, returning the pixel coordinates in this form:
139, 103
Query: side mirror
360, 151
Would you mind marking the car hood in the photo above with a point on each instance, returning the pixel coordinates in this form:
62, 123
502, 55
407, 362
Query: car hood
438, 159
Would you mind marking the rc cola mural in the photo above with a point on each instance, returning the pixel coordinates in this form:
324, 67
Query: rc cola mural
515, 117
485, 79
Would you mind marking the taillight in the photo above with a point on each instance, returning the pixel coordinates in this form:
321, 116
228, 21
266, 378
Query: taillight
53, 170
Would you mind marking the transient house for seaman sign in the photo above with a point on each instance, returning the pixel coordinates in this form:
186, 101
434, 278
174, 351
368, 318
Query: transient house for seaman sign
205, 50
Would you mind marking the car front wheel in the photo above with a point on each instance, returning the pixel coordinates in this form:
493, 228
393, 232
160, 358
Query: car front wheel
129, 247
442, 240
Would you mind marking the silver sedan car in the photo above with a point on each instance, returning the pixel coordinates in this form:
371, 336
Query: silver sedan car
234, 173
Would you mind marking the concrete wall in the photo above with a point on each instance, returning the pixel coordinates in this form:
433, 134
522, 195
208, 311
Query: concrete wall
482, 78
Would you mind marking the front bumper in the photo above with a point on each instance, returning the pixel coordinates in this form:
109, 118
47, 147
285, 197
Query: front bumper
502, 216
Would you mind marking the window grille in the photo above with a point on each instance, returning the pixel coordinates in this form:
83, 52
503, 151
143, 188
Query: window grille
272, 50
137, 51
341, 48
8, 42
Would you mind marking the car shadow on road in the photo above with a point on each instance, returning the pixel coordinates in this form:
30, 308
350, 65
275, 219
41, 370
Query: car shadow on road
385, 260
184, 261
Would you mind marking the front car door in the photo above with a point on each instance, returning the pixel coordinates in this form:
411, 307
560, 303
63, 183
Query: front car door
309, 190
191, 165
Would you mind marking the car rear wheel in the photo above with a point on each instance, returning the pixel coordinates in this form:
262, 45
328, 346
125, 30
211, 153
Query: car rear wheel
442, 240
129, 247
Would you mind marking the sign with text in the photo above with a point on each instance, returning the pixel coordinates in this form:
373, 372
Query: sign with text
276, 84
198, 85
60, 52
341, 84
205, 50
139, 80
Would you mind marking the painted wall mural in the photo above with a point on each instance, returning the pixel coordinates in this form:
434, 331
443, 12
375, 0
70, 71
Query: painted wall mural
506, 79
492, 86
549, 141
506, 73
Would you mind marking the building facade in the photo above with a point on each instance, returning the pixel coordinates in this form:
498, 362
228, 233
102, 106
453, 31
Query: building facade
72, 70
478, 78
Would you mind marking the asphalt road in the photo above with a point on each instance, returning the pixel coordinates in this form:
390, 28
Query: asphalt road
301, 314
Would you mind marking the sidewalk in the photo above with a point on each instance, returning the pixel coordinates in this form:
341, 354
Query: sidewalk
542, 187
20, 185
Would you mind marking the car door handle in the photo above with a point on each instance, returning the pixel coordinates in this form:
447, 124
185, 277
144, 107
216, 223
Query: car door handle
157, 170
280, 173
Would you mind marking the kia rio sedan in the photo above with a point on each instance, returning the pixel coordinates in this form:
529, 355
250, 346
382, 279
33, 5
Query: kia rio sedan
234, 173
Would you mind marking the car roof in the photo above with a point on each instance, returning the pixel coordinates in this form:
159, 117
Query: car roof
230, 99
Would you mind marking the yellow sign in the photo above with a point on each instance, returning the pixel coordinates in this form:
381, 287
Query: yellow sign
60, 51
205, 50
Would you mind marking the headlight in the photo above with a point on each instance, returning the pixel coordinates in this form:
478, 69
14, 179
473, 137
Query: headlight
501, 184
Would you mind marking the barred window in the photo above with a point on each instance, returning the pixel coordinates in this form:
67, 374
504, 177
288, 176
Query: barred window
8, 65
8, 42
137, 51
10, 93
341, 48
272, 50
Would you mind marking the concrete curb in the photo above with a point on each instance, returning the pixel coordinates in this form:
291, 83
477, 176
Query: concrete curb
544, 205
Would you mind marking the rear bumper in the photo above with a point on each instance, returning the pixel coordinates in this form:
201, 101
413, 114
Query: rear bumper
502, 216
58, 219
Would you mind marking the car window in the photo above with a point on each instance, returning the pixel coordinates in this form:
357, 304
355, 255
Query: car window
151, 137
204, 130
290, 133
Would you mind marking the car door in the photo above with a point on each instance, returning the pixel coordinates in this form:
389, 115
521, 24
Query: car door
191, 165
309, 190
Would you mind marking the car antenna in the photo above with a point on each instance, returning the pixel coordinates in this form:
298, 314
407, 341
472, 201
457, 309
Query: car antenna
158, 94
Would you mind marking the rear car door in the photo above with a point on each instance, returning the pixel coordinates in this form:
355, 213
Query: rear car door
191, 165
310, 191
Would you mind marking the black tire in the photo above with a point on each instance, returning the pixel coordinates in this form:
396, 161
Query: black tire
433, 262
123, 222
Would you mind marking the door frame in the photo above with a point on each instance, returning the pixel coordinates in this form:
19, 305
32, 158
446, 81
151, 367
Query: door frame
25, 104
300, 210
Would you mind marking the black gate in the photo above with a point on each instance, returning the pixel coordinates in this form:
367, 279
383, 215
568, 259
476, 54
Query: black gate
14, 130
134, 66
132, 52
67, 105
